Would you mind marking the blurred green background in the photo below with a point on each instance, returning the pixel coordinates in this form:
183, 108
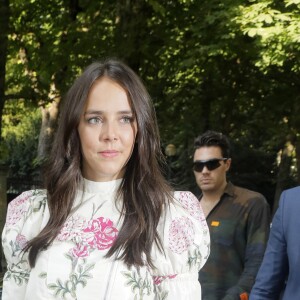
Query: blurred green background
231, 66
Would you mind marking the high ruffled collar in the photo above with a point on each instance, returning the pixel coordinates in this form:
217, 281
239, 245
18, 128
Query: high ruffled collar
101, 187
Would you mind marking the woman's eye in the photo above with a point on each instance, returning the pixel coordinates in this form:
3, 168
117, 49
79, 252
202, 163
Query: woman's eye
127, 119
94, 120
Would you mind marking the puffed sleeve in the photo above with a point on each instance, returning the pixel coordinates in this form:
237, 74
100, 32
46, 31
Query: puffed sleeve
24, 220
186, 242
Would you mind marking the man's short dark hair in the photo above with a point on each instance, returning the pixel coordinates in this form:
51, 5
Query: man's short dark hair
213, 138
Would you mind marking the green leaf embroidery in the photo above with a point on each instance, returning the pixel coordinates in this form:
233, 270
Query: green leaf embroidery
140, 286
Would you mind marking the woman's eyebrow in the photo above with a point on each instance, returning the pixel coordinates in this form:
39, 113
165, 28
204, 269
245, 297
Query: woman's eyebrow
100, 112
93, 112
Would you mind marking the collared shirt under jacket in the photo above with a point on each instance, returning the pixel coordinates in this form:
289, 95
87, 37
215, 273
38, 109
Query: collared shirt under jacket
239, 227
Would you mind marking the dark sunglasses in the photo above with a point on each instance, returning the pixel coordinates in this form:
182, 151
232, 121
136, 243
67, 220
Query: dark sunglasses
210, 164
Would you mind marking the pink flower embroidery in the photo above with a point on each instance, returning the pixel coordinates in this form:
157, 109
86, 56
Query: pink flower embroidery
80, 251
21, 242
159, 279
181, 234
17, 208
72, 229
192, 205
100, 233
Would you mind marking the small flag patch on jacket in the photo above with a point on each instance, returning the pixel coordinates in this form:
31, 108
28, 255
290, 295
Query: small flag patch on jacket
215, 223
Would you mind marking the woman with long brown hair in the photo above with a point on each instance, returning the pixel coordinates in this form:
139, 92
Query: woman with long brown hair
107, 225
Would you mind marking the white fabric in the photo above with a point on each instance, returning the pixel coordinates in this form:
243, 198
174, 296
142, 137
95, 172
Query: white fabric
74, 266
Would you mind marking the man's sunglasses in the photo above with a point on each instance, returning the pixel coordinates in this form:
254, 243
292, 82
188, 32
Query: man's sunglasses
210, 164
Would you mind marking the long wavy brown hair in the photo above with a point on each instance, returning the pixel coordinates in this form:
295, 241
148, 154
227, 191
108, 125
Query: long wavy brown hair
143, 191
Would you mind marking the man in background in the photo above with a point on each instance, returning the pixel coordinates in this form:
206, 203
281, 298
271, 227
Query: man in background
238, 220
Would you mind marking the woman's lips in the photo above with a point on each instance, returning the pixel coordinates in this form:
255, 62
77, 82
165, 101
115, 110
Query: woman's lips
109, 153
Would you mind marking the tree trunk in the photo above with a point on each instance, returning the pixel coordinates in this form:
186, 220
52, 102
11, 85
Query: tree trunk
49, 116
4, 19
50, 113
286, 157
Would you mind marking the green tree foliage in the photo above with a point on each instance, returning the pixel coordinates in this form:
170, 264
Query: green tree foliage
225, 65
21, 127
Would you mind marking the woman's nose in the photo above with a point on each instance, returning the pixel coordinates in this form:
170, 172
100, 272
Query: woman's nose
109, 131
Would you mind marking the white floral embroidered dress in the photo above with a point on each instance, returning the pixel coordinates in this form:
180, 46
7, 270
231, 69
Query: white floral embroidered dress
74, 266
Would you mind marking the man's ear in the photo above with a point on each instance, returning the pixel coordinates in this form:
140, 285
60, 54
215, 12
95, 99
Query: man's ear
228, 164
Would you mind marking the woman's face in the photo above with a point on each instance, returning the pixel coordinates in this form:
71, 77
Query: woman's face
107, 132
